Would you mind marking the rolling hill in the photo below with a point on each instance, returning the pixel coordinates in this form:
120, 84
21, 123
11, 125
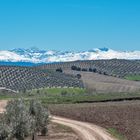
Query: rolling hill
113, 67
108, 77
25, 78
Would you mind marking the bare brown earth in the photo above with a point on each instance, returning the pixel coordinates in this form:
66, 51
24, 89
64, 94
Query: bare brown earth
122, 116
100, 83
86, 131
55, 131
58, 132
3, 104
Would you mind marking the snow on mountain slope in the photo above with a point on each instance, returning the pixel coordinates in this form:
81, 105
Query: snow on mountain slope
38, 56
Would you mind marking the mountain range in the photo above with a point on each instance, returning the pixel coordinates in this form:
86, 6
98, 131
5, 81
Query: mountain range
35, 55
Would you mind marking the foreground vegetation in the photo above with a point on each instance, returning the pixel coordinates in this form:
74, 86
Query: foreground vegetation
117, 118
23, 119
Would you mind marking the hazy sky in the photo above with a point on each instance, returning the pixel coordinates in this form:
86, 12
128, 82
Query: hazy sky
70, 24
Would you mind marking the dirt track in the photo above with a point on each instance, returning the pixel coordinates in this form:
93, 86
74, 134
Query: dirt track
3, 104
85, 130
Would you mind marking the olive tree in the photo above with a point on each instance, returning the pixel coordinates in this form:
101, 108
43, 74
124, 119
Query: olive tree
41, 115
23, 119
18, 117
5, 130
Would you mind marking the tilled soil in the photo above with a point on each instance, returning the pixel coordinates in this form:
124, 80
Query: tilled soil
123, 116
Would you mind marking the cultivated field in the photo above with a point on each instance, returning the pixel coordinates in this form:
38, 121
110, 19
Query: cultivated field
25, 78
103, 76
74, 97
121, 116
98, 83
113, 67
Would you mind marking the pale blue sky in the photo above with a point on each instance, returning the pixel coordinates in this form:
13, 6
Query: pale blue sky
70, 24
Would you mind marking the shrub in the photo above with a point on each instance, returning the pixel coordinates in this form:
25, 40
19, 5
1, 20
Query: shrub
78, 76
59, 70
22, 120
73, 67
78, 69
40, 114
90, 69
94, 70
5, 130
84, 69
17, 115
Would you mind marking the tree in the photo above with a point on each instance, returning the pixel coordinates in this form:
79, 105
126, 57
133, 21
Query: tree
94, 70
59, 70
41, 115
5, 130
73, 67
78, 69
90, 69
78, 76
18, 117
84, 69
22, 120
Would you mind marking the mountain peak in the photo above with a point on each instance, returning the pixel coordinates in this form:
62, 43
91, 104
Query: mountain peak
36, 55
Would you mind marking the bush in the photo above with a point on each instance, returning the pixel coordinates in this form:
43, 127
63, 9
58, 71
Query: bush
73, 68
17, 115
59, 70
22, 120
40, 114
94, 70
78, 76
84, 69
5, 131
78, 69
90, 69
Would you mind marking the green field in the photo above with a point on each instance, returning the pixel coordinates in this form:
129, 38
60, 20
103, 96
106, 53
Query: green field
133, 77
69, 95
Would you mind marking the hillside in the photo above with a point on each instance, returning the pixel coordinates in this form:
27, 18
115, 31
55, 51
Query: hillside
108, 77
113, 67
24, 78
98, 83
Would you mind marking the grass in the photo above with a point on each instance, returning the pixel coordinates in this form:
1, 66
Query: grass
133, 77
3, 97
69, 95
116, 134
86, 98
81, 96
58, 91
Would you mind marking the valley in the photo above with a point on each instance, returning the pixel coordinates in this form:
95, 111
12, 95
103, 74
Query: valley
96, 97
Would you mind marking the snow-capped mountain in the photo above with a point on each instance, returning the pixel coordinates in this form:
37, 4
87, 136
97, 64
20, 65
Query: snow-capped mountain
35, 55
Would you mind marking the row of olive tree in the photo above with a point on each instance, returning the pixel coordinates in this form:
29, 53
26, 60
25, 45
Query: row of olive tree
23, 119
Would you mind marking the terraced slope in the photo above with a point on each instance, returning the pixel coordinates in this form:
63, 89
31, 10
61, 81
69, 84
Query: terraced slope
21, 78
114, 67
